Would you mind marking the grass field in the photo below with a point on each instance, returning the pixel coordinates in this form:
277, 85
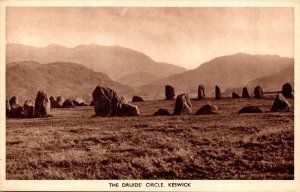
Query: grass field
73, 145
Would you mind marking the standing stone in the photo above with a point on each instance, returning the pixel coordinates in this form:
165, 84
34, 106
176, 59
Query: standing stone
7, 109
28, 109
258, 92
137, 99
280, 104
60, 100
183, 105
106, 101
217, 92
169, 92
16, 111
287, 90
42, 105
207, 109
68, 104
245, 93
54, 103
235, 95
13, 101
201, 92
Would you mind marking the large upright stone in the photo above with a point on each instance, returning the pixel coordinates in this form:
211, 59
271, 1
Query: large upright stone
201, 92
183, 105
106, 101
245, 93
280, 104
217, 92
42, 105
13, 101
258, 92
28, 109
287, 90
169, 92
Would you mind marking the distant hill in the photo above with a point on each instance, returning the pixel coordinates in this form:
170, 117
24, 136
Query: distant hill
114, 61
227, 71
137, 79
24, 79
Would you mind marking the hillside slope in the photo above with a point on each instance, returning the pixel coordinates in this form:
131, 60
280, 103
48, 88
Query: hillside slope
24, 79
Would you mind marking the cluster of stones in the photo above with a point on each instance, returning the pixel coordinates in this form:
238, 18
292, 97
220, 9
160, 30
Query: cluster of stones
60, 102
39, 108
183, 104
107, 103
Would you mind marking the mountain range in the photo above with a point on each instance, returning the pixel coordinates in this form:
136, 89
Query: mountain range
114, 61
231, 71
29, 71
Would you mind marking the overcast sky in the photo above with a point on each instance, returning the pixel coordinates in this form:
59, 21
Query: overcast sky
181, 36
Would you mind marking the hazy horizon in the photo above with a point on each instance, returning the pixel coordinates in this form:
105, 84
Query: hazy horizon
186, 37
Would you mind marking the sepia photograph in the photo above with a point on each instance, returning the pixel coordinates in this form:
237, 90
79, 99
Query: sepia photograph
152, 93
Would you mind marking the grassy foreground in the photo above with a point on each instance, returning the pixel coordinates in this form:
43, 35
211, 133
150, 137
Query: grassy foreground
73, 145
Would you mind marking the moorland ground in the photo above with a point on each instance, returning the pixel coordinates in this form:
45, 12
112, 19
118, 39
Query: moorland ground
74, 145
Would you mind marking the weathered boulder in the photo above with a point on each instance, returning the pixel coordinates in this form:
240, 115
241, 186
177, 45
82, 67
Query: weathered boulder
245, 93
127, 110
162, 112
250, 109
42, 105
235, 95
217, 92
287, 90
201, 92
28, 109
60, 100
68, 104
54, 103
16, 111
258, 92
107, 102
280, 104
183, 105
169, 92
207, 109
137, 99
13, 101
79, 102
